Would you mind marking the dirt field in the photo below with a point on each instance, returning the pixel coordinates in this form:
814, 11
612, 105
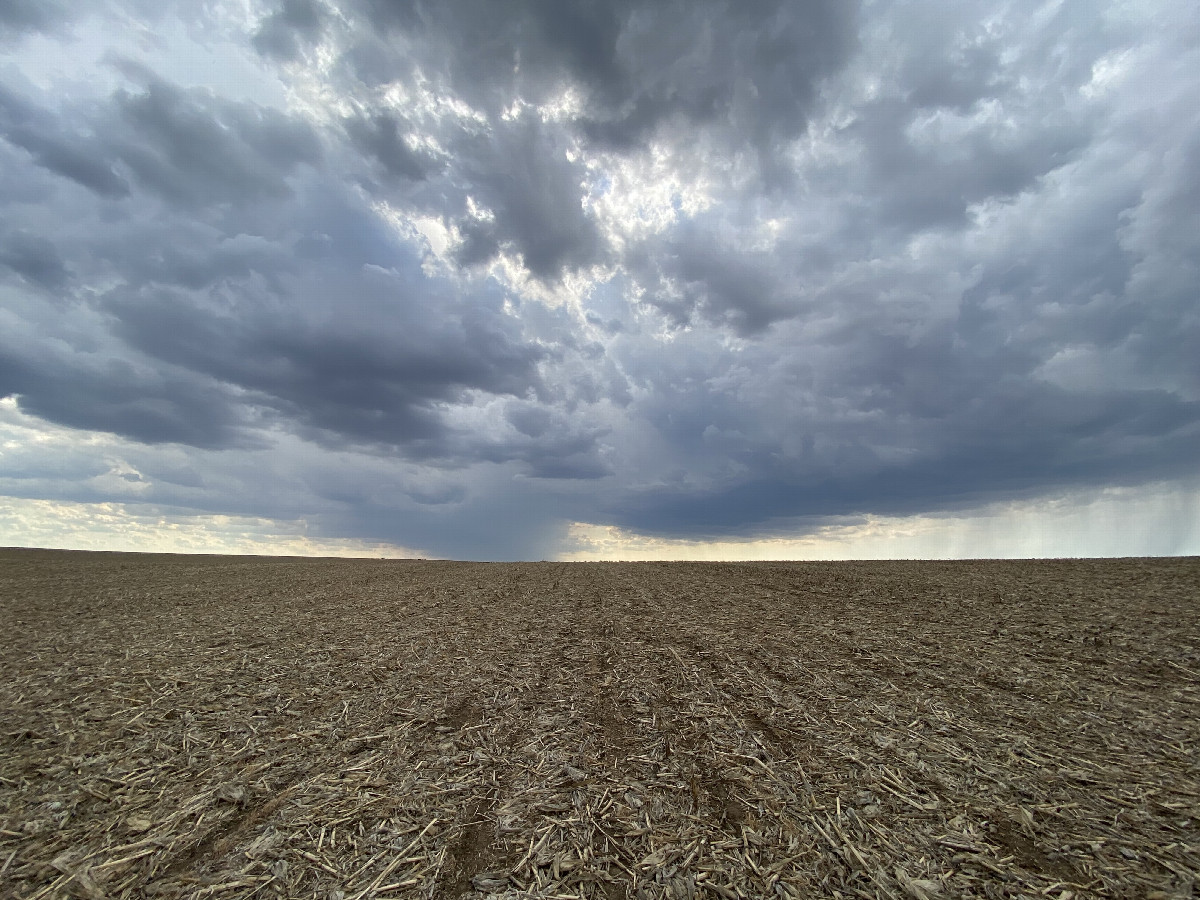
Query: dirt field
226, 727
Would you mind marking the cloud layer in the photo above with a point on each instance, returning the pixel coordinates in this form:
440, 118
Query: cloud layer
457, 275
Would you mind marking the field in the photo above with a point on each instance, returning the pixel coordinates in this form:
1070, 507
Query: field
220, 727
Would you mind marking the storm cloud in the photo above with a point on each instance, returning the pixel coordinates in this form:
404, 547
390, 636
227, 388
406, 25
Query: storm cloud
458, 275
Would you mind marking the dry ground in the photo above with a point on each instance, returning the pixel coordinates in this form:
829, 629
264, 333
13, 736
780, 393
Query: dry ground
226, 727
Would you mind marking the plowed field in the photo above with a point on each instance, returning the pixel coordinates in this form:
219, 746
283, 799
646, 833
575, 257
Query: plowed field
231, 727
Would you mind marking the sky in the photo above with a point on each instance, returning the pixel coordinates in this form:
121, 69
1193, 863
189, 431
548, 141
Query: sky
555, 279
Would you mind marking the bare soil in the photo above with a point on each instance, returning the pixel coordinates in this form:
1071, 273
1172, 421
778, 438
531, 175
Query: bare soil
227, 727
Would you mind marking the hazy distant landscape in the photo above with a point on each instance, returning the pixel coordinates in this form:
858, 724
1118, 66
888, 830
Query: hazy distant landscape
236, 726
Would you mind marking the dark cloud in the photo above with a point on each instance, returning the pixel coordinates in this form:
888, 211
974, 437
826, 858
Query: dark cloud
533, 200
56, 146
288, 30
317, 322
749, 72
113, 394
743, 73
1015, 455
18, 16
196, 149
197, 257
692, 274
346, 352
548, 444
919, 181
956, 78
382, 137
751, 65
33, 258
370, 373
700, 269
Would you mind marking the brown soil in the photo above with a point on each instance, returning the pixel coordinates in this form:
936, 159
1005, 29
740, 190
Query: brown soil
226, 727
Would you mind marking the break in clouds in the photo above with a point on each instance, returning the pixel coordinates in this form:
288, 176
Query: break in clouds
454, 275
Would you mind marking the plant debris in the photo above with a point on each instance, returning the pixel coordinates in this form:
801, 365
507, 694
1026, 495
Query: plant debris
222, 727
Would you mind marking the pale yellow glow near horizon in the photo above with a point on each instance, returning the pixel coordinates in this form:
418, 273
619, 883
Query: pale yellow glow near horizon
116, 527
1159, 520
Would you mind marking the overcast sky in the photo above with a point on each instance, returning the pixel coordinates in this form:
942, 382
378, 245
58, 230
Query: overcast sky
568, 279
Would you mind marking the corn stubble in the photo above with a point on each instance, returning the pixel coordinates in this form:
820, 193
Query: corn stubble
219, 727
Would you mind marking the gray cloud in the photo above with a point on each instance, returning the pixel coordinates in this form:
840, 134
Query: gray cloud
740, 73
695, 270
317, 321
103, 393
382, 137
369, 372
33, 258
922, 184
534, 199
294, 25
17, 16
754, 66
57, 147
693, 274
194, 149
